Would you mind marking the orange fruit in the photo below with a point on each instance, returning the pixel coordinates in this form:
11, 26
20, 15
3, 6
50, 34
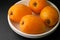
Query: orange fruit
31, 24
16, 12
49, 15
37, 5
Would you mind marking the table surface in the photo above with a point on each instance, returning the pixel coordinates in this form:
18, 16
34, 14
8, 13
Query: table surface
6, 33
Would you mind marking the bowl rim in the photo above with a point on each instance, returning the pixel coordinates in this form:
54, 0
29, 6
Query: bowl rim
22, 33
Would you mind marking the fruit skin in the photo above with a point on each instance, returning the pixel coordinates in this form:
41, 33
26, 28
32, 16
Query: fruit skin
49, 15
17, 11
31, 24
37, 5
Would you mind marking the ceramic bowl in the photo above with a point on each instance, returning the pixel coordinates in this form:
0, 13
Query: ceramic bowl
15, 26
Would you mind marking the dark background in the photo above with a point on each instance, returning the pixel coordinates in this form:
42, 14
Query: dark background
6, 32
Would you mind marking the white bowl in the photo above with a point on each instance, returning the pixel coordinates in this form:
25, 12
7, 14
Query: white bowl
14, 26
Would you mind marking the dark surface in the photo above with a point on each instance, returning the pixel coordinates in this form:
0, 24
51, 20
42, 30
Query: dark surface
6, 32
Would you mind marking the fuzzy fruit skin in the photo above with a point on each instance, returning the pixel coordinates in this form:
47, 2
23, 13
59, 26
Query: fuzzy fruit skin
37, 5
31, 24
49, 15
17, 11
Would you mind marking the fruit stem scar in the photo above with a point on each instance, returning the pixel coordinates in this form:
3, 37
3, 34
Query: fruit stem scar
35, 4
22, 22
11, 13
48, 21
